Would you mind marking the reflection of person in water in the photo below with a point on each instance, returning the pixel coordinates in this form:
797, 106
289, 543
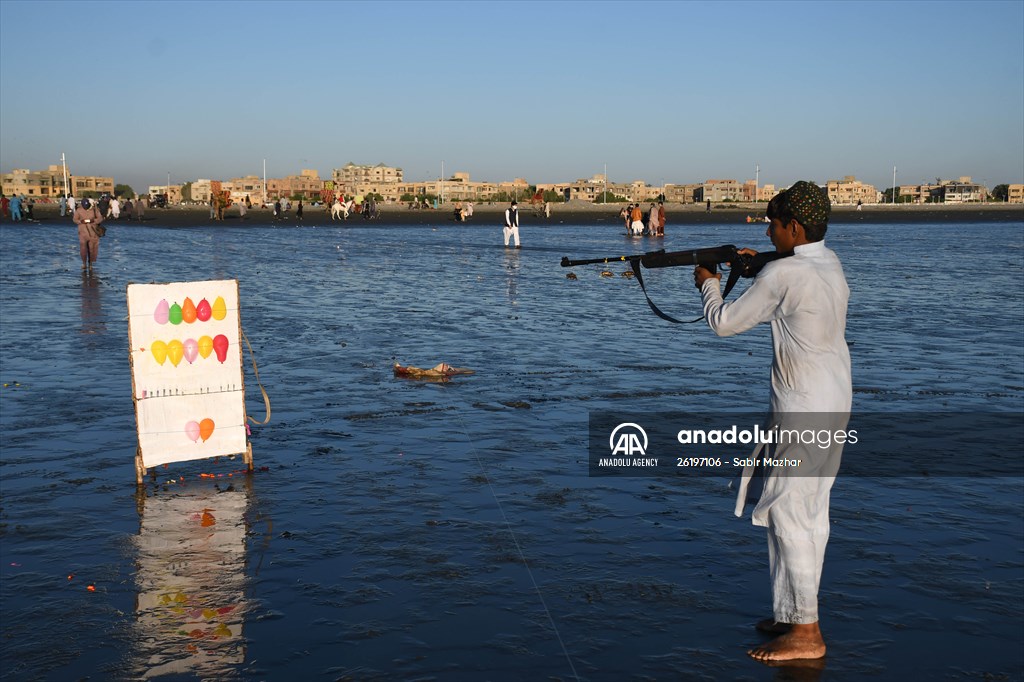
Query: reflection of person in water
92, 308
512, 276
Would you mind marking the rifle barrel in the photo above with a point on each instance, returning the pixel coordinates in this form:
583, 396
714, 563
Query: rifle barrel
566, 263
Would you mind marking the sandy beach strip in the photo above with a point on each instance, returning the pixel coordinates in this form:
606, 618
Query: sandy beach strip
574, 213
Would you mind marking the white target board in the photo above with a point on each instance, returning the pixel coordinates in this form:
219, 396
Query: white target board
187, 382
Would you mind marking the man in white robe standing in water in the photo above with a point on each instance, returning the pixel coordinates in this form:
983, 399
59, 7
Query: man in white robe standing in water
804, 297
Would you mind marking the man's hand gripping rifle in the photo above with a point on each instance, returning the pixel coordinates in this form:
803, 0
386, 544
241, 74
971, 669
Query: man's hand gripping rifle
740, 265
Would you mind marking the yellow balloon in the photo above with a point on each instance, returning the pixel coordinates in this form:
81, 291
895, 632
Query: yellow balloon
159, 349
175, 351
205, 346
220, 309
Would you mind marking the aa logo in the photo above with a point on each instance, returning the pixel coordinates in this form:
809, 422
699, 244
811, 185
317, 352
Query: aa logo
628, 439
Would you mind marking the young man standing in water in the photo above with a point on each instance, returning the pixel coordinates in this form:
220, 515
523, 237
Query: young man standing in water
512, 224
804, 298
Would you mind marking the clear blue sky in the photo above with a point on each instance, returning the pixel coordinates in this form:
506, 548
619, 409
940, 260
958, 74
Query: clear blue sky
659, 91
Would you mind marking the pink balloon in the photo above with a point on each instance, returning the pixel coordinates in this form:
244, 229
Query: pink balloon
191, 350
192, 431
161, 312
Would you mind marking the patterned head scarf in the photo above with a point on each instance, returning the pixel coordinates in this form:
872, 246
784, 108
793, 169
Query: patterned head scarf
808, 203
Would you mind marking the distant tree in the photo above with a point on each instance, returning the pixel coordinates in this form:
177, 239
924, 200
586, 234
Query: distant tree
553, 196
1001, 193
887, 196
186, 192
609, 198
123, 191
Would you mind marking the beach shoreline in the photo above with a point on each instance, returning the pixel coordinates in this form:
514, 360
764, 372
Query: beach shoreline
575, 213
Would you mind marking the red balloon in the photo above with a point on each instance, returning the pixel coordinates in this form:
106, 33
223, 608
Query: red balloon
203, 311
220, 346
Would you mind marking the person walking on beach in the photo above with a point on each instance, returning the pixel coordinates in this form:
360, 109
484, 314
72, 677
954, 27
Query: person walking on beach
661, 218
140, 207
298, 211
708, 209
63, 205
803, 296
512, 223
88, 217
241, 210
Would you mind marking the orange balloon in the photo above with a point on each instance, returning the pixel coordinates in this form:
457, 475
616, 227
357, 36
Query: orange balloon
159, 350
219, 309
206, 429
188, 311
205, 346
175, 351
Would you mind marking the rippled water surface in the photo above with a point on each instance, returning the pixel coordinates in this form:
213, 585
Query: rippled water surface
398, 529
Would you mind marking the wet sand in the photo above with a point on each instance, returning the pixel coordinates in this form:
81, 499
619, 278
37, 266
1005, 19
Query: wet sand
577, 213
398, 529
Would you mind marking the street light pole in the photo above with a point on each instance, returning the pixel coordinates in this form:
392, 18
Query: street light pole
64, 163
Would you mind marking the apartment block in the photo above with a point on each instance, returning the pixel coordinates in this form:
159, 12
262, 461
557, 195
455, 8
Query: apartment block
963, 191
1015, 194
722, 190
306, 185
49, 183
850, 190
249, 187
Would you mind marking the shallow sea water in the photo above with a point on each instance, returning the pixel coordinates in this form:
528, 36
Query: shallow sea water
397, 529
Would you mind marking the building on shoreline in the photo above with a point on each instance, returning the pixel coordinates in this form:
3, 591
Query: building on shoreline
850, 191
960, 191
389, 183
49, 183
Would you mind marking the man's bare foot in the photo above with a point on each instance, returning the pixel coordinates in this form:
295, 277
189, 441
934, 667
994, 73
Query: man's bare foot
770, 626
802, 641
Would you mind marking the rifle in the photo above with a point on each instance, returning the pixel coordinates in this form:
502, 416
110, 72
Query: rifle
740, 265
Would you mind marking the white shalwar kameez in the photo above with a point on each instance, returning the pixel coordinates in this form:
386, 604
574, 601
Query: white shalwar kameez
804, 297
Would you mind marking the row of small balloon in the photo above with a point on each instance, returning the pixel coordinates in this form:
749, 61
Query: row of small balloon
196, 430
189, 349
188, 312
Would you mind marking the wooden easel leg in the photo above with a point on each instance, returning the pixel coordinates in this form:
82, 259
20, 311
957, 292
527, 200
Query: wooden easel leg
247, 458
140, 468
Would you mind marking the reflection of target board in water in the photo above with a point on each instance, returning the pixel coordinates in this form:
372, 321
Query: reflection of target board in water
187, 382
191, 605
